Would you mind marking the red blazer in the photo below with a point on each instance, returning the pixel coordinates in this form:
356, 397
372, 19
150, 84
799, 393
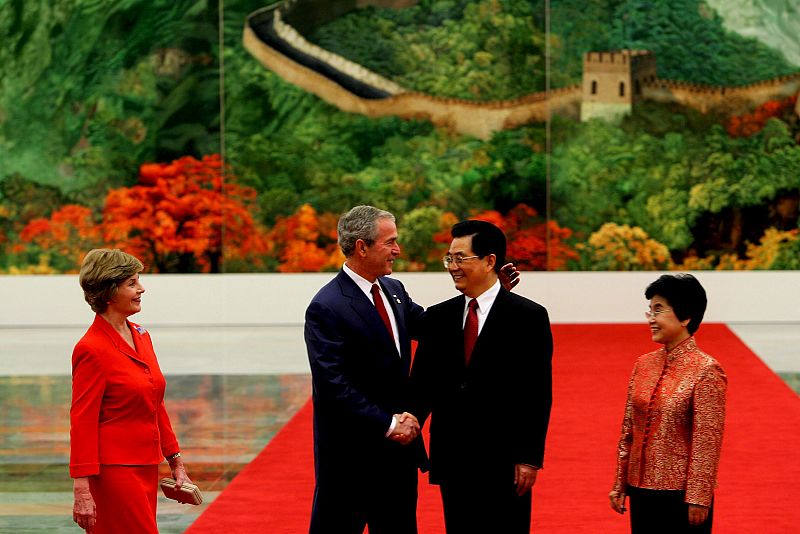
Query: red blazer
117, 415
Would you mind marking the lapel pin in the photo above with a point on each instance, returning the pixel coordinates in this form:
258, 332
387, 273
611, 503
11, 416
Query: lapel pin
397, 299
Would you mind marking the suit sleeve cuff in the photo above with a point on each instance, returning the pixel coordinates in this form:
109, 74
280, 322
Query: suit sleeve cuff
537, 467
84, 470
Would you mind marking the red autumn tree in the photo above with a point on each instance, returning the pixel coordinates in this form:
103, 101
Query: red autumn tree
181, 216
752, 123
69, 233
305, 241
533, 243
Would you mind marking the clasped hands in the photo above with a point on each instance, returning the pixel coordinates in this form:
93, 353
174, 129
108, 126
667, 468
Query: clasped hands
406, 430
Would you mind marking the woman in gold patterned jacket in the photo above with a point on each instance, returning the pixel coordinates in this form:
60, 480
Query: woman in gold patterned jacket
669, 449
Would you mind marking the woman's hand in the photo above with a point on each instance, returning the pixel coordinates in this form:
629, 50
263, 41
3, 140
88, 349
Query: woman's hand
697, 514
617, 499
179, 472
84, 512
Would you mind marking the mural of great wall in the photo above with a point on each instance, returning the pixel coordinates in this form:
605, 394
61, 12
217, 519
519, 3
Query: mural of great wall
613, 82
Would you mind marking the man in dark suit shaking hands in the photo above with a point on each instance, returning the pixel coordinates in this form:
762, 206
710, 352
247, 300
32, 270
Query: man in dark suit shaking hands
358, 336
483, 373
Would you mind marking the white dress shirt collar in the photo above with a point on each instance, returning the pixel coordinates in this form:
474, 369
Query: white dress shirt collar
485, 303
364, 284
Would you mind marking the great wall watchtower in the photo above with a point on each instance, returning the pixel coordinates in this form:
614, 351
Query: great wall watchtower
613, 82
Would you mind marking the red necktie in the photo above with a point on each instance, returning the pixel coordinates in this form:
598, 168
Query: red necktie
376, 297
470, 329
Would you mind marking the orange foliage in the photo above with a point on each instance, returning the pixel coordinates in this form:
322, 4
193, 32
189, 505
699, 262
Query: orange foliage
305, 241
695, 263
180, 214
615, 247
752, 123
69, 232
447, 220
529, 245
757, 257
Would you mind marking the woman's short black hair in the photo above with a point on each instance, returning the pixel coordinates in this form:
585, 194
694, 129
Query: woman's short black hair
684, 293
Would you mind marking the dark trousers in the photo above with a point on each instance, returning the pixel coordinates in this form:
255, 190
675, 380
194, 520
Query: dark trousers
386, 500
477, 506
663, 512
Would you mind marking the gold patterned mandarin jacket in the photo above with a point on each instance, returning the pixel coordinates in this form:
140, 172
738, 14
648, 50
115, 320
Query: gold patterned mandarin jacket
672, 430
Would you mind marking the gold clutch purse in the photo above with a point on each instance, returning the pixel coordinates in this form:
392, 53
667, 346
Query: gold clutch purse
186, 494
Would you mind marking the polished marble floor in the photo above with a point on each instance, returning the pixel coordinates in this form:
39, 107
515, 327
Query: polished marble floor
230, 389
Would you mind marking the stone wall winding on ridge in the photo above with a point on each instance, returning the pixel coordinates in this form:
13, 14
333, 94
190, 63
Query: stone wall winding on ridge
353, 88
354, 70
273, 35
737, 100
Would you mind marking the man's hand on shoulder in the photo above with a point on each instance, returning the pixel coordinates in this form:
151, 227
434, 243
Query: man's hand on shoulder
509, 276
406, 430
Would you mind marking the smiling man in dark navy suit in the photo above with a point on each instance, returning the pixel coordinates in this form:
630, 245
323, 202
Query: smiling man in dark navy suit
358, 335
483, 373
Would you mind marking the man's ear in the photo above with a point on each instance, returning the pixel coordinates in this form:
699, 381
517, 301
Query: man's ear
491, 260
361, 247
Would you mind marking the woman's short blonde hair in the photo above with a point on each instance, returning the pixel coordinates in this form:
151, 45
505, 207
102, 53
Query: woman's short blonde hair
102, 271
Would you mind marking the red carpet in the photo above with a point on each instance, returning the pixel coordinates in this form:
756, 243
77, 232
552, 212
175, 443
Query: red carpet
759, 477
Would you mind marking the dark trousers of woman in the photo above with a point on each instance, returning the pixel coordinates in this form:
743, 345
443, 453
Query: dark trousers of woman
663, 512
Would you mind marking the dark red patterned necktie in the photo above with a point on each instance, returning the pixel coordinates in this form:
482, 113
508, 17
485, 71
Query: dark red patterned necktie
376, 298
470, 330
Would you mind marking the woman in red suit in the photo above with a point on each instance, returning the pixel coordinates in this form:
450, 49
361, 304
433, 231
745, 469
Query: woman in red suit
120, 431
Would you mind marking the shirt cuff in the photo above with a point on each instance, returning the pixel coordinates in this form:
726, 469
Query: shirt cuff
392, 426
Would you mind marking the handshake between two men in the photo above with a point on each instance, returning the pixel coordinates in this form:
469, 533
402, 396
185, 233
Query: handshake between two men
406, 428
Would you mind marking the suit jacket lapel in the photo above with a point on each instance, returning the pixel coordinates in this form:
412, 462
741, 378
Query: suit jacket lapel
400, 320
492, 327
116, 339
365, 309
399, 312
453, 329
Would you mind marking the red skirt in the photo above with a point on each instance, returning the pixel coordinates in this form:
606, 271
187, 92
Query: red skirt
125, 497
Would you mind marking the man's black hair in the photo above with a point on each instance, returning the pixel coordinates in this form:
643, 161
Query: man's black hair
486, 239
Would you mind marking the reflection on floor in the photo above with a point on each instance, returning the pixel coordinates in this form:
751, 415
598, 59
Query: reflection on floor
222, 421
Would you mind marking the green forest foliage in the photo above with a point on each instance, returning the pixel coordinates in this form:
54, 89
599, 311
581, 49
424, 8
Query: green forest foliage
496, 49
687, 189
484, 50
687, 37
691, 44
91, 89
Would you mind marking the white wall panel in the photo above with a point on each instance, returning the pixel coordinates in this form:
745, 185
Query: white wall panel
280, 299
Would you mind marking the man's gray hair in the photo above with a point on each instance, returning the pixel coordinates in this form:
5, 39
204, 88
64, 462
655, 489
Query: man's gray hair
361, 222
